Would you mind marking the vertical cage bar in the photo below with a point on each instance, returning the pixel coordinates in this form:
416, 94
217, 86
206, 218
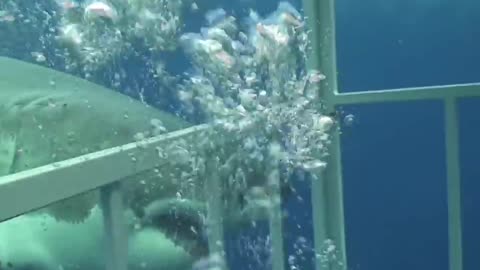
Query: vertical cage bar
334, 197
276, 219
215, 212
116, 241
319, 218
453, 185
327, 187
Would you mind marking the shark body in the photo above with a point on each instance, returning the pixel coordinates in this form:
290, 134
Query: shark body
40, 242
48, 116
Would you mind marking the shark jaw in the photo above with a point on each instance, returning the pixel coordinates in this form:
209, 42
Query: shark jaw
50, 116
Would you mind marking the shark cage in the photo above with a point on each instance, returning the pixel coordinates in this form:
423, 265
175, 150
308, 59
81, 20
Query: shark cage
31, 189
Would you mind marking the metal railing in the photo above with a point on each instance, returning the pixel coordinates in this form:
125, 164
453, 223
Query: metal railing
327, 195
68, 176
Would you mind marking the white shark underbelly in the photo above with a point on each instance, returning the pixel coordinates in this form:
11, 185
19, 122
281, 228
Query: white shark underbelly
40, 242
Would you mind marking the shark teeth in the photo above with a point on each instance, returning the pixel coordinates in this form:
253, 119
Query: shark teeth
182, 221
7, 153
75, 209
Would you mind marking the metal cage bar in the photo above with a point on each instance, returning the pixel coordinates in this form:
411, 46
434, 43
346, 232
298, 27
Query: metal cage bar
327, 187
114, 226
409, 94
321, 14
454, 185
449, 94
215, 224
68, 180
32, 189
276, 219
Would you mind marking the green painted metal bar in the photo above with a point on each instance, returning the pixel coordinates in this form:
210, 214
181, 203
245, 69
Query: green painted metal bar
408, 94
319, 205
327, 186
453, 185
335, 209
276, 219
319, 213
214, 188
32, 189
116, 240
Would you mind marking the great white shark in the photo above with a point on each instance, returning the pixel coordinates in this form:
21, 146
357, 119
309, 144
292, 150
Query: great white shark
48, 116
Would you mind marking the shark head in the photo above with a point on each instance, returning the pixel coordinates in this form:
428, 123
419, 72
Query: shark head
50, 116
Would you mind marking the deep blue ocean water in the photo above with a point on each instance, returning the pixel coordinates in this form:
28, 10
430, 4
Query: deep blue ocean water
394, 157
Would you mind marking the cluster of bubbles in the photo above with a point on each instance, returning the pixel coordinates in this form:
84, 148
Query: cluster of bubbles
96, 32
254, 84
248, 77
256, 81
212, 262
329, 254
257, 248
21, 19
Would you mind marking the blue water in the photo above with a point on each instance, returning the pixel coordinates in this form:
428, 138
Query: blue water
394, 167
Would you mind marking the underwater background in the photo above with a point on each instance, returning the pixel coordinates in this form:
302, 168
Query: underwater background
394, 157
393, 154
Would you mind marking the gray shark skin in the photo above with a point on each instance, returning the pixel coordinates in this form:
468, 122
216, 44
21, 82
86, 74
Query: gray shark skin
39, 242
48, 116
